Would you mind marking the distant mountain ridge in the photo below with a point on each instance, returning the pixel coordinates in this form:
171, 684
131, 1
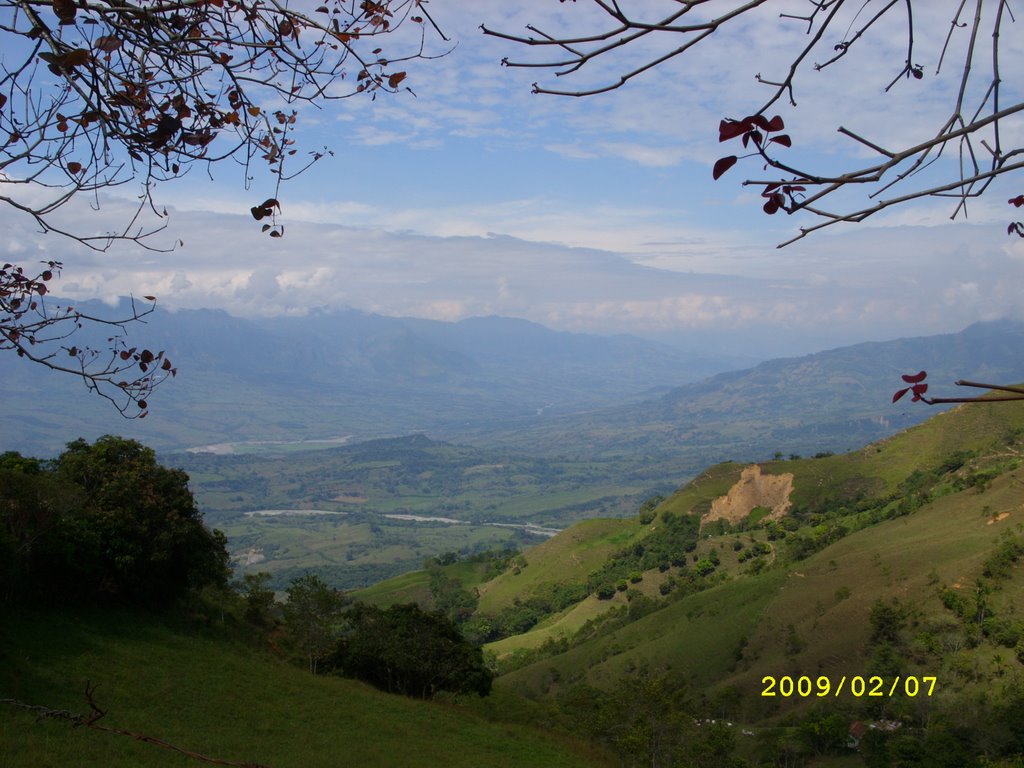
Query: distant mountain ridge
502, 382
835, 400
338, 373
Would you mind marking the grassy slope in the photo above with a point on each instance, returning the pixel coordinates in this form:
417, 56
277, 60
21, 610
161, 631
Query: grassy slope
908, 558
225, 700
414, 586
569, 556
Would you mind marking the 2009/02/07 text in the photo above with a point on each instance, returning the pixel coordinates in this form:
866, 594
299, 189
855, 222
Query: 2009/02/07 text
805, 686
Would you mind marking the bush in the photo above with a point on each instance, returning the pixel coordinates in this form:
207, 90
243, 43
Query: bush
704, 567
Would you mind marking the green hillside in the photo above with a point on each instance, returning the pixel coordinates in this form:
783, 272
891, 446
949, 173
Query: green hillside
896, 565
226, 700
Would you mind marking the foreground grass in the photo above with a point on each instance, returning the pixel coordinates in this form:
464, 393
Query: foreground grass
224, 699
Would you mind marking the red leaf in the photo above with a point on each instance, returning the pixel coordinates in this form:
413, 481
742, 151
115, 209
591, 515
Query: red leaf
723, 165
916, 378
784, 140
395, 79
900, 394
776, 200
775, 124
760, 121
1016, 202
730, 129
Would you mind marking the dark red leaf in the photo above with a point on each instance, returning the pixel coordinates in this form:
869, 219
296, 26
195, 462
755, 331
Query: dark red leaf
730, 129
107, 43
723, 165
1017, 201
784, 140
900, 394
915, 378
775, 124
758, 120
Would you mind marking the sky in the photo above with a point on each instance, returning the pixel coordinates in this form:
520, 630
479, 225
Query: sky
475, 196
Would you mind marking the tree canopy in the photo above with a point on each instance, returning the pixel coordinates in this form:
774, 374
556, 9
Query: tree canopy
404, 649
103, 522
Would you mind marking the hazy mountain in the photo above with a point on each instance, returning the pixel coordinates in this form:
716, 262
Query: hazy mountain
339, 373
833, 400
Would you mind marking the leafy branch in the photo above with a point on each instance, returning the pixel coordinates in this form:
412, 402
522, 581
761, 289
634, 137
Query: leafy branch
965, 152
918, 387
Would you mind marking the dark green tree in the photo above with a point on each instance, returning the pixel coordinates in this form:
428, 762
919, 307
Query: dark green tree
450, 597
404, 649
139, 528
104, 521
313, 615
259, 599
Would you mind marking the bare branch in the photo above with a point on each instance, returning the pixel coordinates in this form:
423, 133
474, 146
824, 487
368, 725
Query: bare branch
966, 127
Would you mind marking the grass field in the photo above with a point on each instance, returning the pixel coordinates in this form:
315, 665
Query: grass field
224, 699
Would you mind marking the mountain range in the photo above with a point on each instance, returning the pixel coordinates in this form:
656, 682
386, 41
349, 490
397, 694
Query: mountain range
327, 377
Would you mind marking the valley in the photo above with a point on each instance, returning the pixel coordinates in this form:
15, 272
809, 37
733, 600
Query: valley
694, 576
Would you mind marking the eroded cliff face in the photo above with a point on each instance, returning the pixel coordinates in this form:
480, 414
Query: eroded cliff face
753, 489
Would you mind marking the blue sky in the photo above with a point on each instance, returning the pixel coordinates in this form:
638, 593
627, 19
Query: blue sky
598, 214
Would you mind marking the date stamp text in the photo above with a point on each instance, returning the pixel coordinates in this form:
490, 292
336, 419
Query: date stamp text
858, 686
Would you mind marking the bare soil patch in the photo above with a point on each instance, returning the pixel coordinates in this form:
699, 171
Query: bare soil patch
753, 489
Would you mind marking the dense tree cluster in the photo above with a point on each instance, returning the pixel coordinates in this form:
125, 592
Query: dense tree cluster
404, 649
103, 522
